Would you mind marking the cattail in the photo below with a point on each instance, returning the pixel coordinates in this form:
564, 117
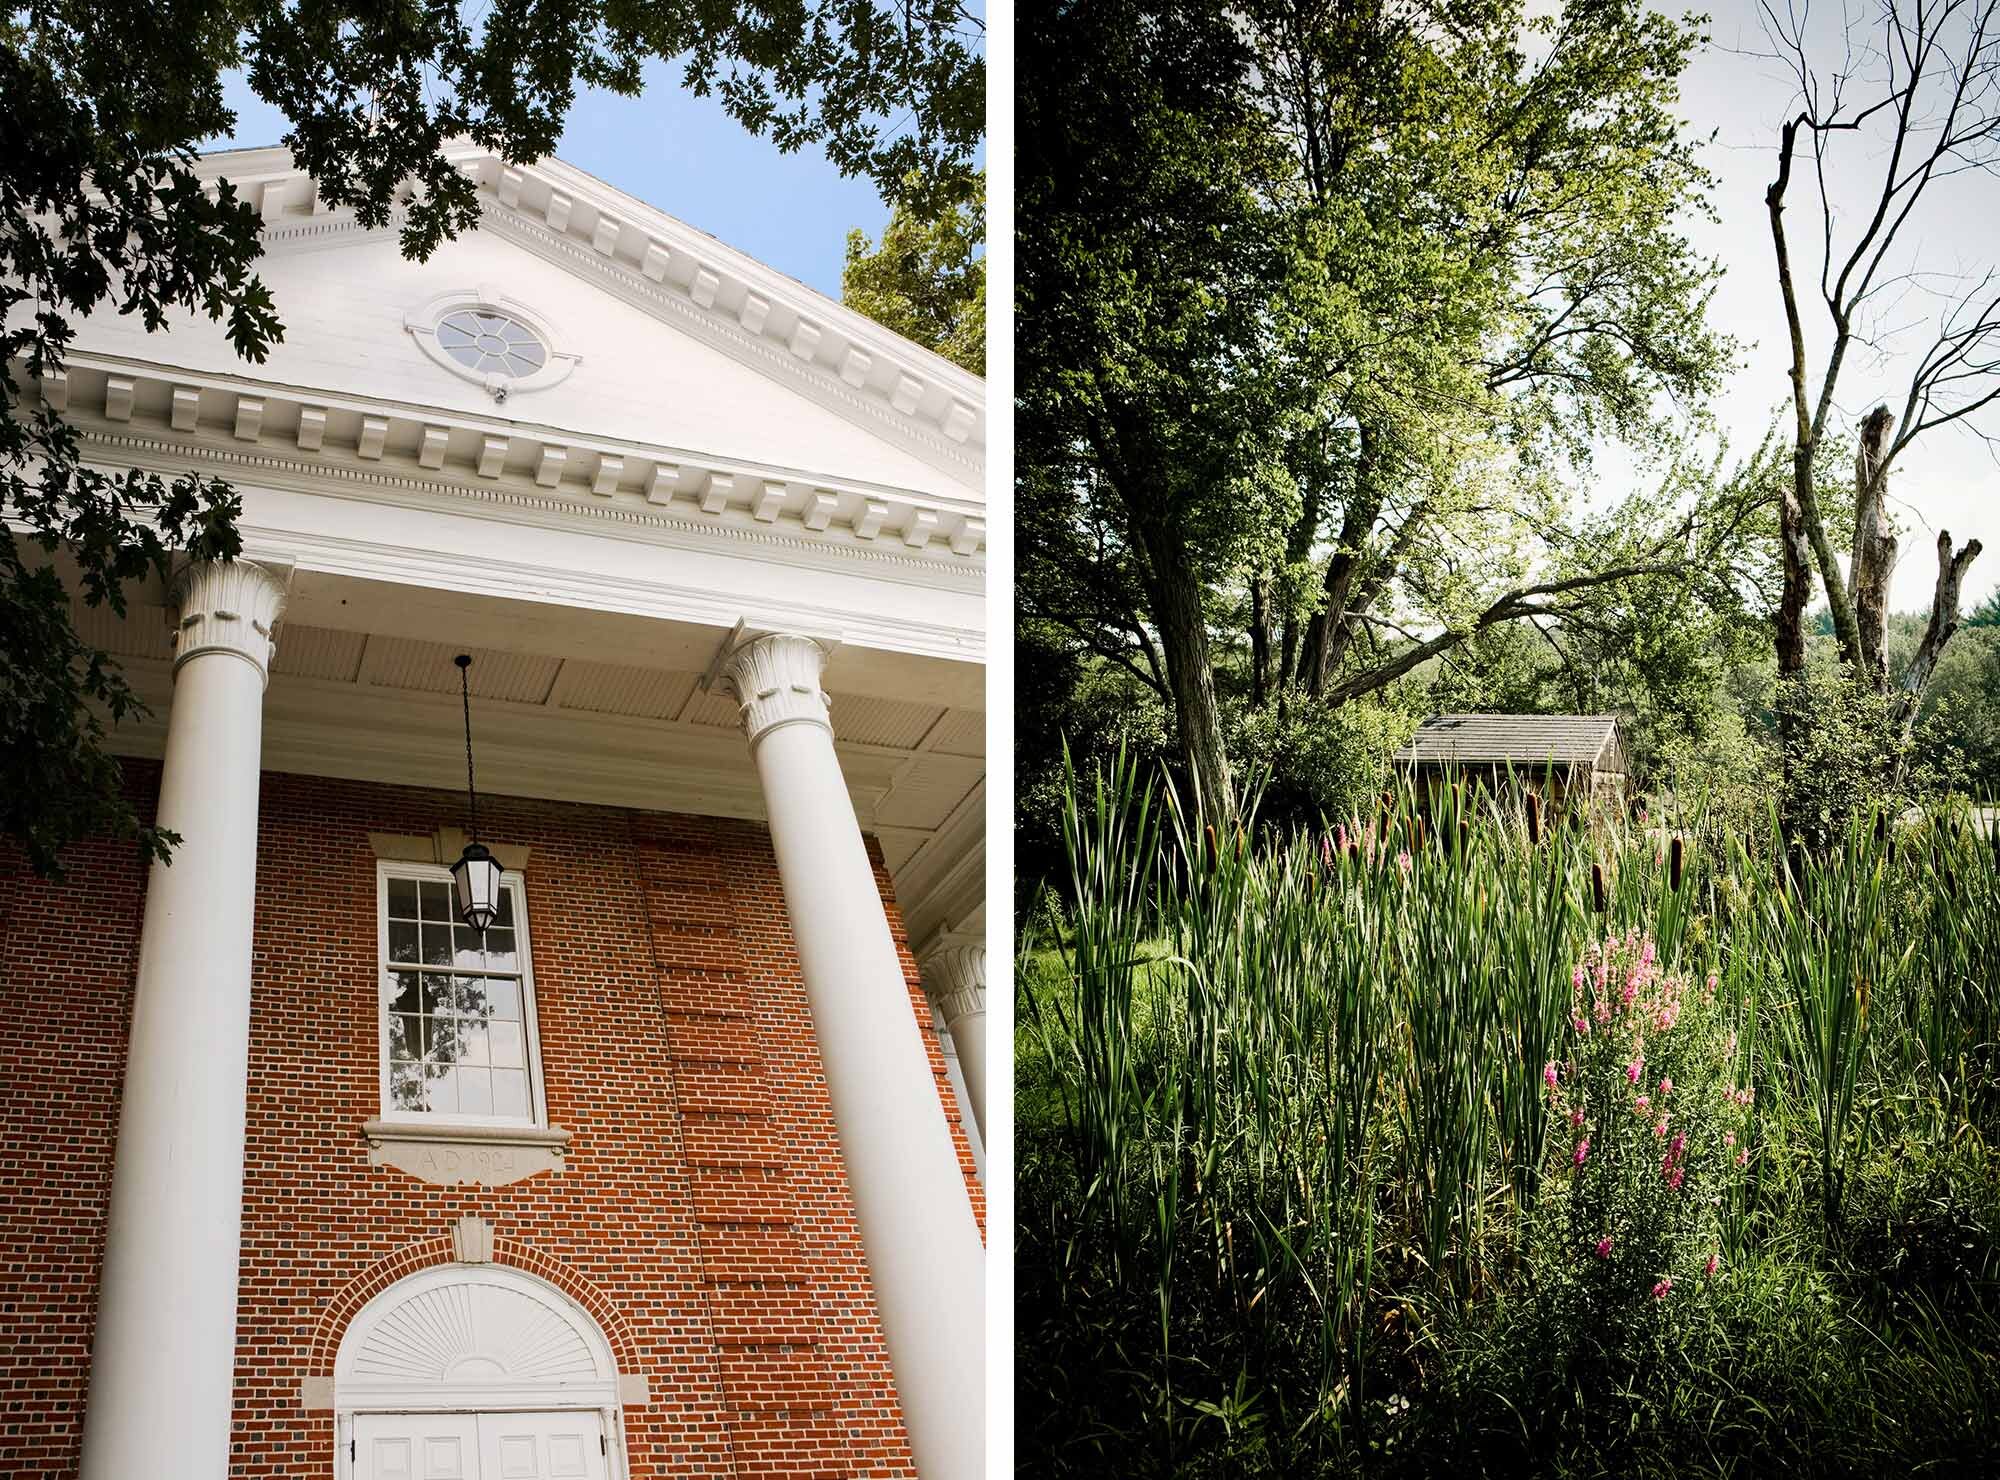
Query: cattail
1214, 853
1354, 852
1881, 826
1416, 834
1597, 888
1674, 865
1464, 836
1534, 820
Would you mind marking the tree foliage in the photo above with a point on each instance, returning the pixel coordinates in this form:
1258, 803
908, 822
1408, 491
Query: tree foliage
926, 278
103, 209
1323, 312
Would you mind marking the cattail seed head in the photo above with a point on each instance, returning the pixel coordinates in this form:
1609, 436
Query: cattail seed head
1214, 854
1597, 895
1534, 820
1674, 853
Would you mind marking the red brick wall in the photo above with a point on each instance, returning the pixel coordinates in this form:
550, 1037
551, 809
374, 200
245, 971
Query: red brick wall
67, 955
703, 1214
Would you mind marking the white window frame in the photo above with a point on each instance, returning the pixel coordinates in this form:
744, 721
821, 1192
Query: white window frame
421, 322
531, 1032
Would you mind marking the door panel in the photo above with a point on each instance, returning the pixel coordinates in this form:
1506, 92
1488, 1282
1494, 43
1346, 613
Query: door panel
416, 1446
542, 1446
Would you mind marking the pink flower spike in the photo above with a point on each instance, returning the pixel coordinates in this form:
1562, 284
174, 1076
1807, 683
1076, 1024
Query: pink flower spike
1633, 1070
1660, 1130
1604, 1248
1549, 1074
1708, 1269
1660, 1290
1729, 1138
1666, 1086
1582, 1150
1577, 1118
1403, 861
1743, 1157
1680, 1141
1642, 1105
1583, 1027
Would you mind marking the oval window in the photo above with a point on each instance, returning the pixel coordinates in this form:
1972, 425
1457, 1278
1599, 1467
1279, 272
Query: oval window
491, 343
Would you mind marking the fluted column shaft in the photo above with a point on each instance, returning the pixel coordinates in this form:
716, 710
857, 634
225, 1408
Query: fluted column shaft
955, 979
163, 1358
922, 1243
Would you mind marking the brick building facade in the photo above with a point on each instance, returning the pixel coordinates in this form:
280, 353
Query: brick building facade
701, 1218
673, 1168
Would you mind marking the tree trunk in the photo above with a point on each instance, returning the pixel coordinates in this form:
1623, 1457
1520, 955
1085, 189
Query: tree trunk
1874, 553
1316, 658
1260, 639
1797, 590
1175, 591
1943, 623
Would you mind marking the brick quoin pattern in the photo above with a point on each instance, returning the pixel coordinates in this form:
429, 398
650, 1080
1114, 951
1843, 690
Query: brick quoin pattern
703, 1217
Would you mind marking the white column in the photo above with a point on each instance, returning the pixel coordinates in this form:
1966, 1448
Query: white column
163, 1360
955, 980
922, 1243
959, 1094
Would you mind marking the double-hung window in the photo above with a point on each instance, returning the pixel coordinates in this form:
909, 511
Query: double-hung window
458, 1008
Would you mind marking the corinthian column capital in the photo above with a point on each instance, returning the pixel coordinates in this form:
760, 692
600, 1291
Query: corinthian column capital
227, 606
776, 682
955, 979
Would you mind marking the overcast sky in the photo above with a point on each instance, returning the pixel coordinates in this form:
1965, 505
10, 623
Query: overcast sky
685, 156
1949, 479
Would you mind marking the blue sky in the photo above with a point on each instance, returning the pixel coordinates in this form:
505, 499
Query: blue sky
684, 155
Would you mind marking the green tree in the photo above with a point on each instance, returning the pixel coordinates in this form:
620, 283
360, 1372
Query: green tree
926, 278
1153, 272
1328, 307
102, 208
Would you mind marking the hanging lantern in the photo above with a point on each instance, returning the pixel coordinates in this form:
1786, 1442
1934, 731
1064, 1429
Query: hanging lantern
475, 878
475, 886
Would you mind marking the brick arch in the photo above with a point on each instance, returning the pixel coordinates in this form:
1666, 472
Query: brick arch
427, 1253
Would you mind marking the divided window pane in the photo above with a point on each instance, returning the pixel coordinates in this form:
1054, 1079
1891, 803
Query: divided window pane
457, 1039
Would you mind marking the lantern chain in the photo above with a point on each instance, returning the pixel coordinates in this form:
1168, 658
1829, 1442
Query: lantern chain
464, 661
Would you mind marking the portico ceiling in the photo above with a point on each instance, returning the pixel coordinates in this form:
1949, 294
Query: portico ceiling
383, 706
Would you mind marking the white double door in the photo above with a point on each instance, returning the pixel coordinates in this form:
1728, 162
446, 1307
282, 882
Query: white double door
480, 1446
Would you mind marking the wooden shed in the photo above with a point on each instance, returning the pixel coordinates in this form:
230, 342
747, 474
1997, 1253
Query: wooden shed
1567, 758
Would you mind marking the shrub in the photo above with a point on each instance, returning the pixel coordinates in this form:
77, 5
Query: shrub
1651, 1133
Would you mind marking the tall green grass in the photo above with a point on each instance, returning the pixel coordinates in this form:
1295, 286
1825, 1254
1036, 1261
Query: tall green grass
1296, 1083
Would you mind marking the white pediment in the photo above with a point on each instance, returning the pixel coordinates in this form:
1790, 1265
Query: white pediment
356, 314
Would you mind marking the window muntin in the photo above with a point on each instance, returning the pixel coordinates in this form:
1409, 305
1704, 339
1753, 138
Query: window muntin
491, 343
458, 1027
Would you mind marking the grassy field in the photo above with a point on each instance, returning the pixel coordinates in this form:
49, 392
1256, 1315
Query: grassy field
1480, 1143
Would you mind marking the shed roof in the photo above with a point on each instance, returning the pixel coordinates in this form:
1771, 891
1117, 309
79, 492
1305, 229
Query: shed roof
1523, 739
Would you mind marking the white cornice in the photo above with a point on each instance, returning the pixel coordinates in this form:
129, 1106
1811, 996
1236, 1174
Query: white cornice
835, 357
390, 452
